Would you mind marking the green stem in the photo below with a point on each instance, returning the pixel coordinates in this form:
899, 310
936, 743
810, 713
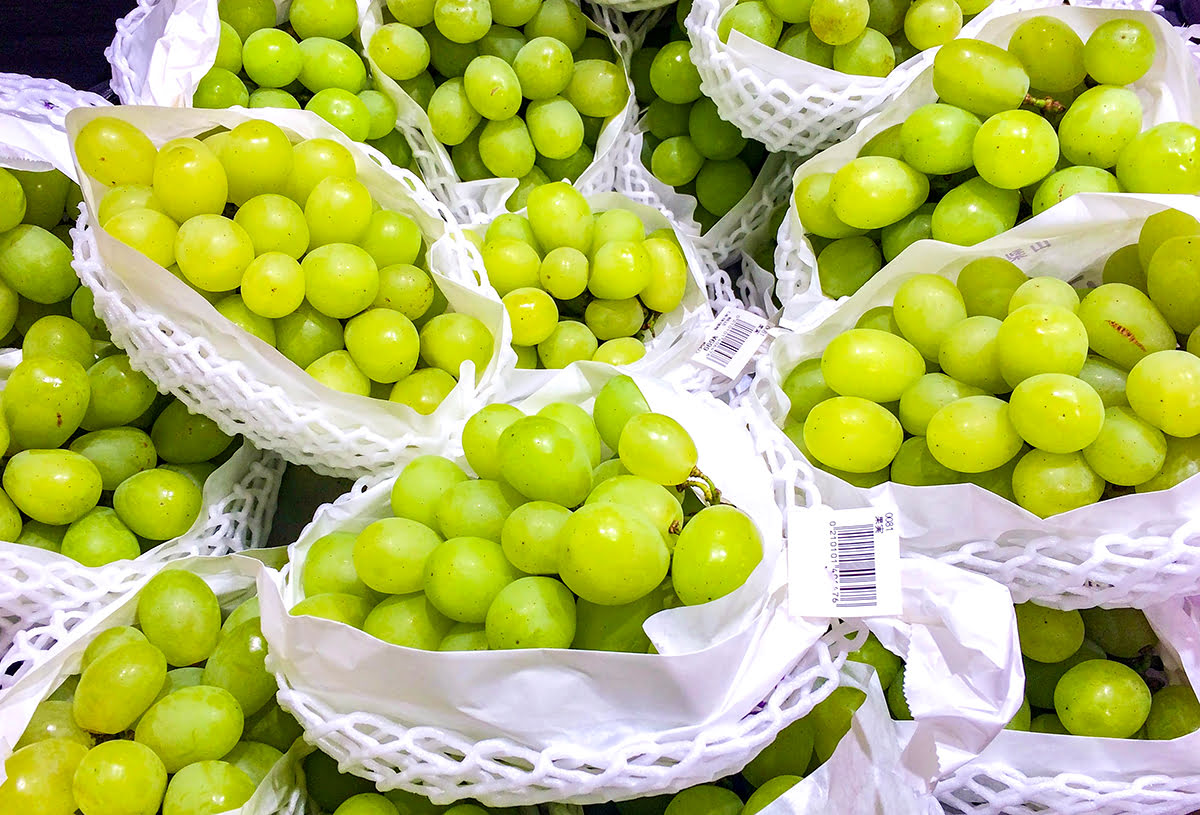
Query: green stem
1045, 104
704, 487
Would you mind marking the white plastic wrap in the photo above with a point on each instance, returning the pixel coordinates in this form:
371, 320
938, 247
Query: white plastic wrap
32, 135
1168, 92
1025, 773
248, 387
233, 580
1130, 551
522, 727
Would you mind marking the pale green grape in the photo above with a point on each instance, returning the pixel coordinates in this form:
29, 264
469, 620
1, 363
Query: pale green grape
611, 554
1051, 53
411, 620
340, 279
805, 388
618, 401
1160, 227
52, 486
676, 161
929, 23
915, 466
329, 568
46, 401
560, 216
1015, 148
1063, 184
275, 224
392, 238
598, 88
987, 285
1098, 125
529, 536
930, 394
1123, 324
180, 615
609, 319
837, 22
1048, 635
118, 199
831, 718
37, 264
511, 264
1171, 281
875, 365
1049, 483
543, 67
925, 307
875, 191
1107, 379
800, 42
753, 18
53, 719
99, 538
673, 76
1123, 266
968, 353
937, 138
1119, 52
118, 687
492, 87
314, 160
113, 152
191, 724
659, 504
501, 41
421, 485
852, 434
555, 127
716, 552
814, 207
979, 77
545, 461
450, 340
577, 420
506, 147
668, 275
619, 270
183, 437
658, 448
253, 758
845, 265
207, 787
158, 504
400, 51
1102, 698
973, 435
475, 509
15, 203
257, 157
213, 252
621, 351
769, 792
451, 115
1163, 390
343, 608
189, 180
531, 612
390, 555
58, 337
788, 754
1161, 159
237, 665
338, 210
1128, 451
1174, 712
868, 54
1183, 461
465, 637
127, 394
1037, 339
39, 778
481, 438
1057, 413
464, 574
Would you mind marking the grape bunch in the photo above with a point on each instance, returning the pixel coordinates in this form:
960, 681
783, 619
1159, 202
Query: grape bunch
955, 383
514, 88
864, 37
175, 714
288, 245
581, 285
687, 145
1014, 132
550, 546
1095, 673
310, 60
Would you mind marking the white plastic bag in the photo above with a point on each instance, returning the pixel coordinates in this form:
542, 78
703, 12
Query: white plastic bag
248, 387
521, 727
474, 201
1168, 92
32, 134
233, 579
1022, 773
1130, 551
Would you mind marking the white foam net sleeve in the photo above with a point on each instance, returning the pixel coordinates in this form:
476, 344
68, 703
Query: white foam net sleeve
503, 752
1167, 92
1128, 551
45, 595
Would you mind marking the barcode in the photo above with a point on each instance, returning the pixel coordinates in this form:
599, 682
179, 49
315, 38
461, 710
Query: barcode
854, 579
734, 337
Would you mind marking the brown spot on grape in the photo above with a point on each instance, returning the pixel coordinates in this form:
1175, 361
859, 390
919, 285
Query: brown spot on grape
1126, 333
59, 417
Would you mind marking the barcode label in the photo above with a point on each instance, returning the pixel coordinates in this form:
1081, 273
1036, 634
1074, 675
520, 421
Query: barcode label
732, 341
843, 563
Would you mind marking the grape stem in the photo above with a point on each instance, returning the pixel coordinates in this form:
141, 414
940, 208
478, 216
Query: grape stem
651, 319
703, 487
1045, 103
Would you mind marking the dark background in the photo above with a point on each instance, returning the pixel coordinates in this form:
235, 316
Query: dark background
60, 39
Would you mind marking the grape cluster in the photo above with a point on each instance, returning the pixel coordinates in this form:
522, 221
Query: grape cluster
1090, 673
687, 144
288, 244
311, 60
864, 37
580, 285
975, 163
1098, 387
175, 714
515, 88
550, 546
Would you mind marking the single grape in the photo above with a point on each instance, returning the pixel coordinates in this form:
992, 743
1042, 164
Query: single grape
118, 687
852, 434
1162, 391
531, 612
1049, 483
929, 23
1123, 632
837, 22
974, 211
611, 554
544, 461
1057, 413
1048, 635
207, 786
979, 77
673, 76
1119, 52
1098, 126
716, 552
1102, 698
845, 265
973, 435
1162, 159
708, 799
937, 139
875, 191
1051, 53
875, 365
39, 778
1123, 324
1015, 148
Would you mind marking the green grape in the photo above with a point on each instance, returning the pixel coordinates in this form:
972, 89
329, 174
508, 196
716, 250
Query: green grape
1063, 184
937, 138
464, 574
37, 265
769, 792
1057, 413
611, 554
475, 509
53, 719
1049, 483
234, 309
1048, 635
147, 231
58, 337
246, 16
837, 22
555, 127
336, 19
1174, 712
1098, 126
253, 758
617, 225
1042, 677
805, 388
1170, 280
501, 41
852, 434
15, 203
400, 51
925, 307
715, 554
114, 152
1015, 148
207, 787
1123, 324
511, 264
213, 252
1050, 52
275, 224
1183, 461
973, 435
868, 54
415, 13
118, 453
789, 754
1119, 52
531, 612
929, 23
570, 168
609, 319
272, 98
1123, 266
118, 686
814, 206
420, 486
340, 279
875, 191
714, 137
845, 265
329, 64
1161, 227
564, 272
314, 160
559, 19
987, 285
544, 461
875, 365
598, 88
237, 665
831, 719
621, 351
180, 615
1162, 391
1161, 159
1123, 632
720, 185
127, 394
543, 67
657, 448
1102, 698
481, 438
1106, 379
220, 89
273, 286
272, 58
183, 437
668, 275
464, 637
54, 487
342, 608
127, 196
1038, 339
344, 110
39, 778
189, 180
391, 239
40, 535
390, 555
619, 270
506, 147
659, 504
673, 76
329, 568
306, 335
366, 804
979, 77
705, 799
462, 21
338, 210
99, 538
560, 216
450, 340
754, 19
800, 42
579, 422
618, 401
46, 400
383, 344
273, 727
529, 536
968, 353
676, 161
45, 197
247, 610
83, 311
191, 724
492, 88
915, 465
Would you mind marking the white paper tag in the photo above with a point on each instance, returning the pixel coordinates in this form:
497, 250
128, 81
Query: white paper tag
843, 562
732, 341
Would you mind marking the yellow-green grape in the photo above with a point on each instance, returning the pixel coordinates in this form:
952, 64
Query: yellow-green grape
596, 537
845, 265
342, 608
180, 614
238, 665
1162, 390
716, 552
1119, 52
805, 387
1048, 635
974, 211
1049, 483
853, 434
987, 285
973, 435
52, 486
207, 786
531, 612
411, 620
191, 724
39, 778
1123, 266
533, 314
925, 307
968, 354
788, 754
1102, 698
621, 351
875, 191
814, 207
1039, 339
875, 365
707, 798
1057, 413
114, 152
118, 686
1160, 227
189, 180
831, 719
53, 719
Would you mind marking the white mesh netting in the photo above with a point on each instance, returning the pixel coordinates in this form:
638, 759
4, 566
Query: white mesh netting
1128, 551
786, 103
481, 757
44, 595
1167, 93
